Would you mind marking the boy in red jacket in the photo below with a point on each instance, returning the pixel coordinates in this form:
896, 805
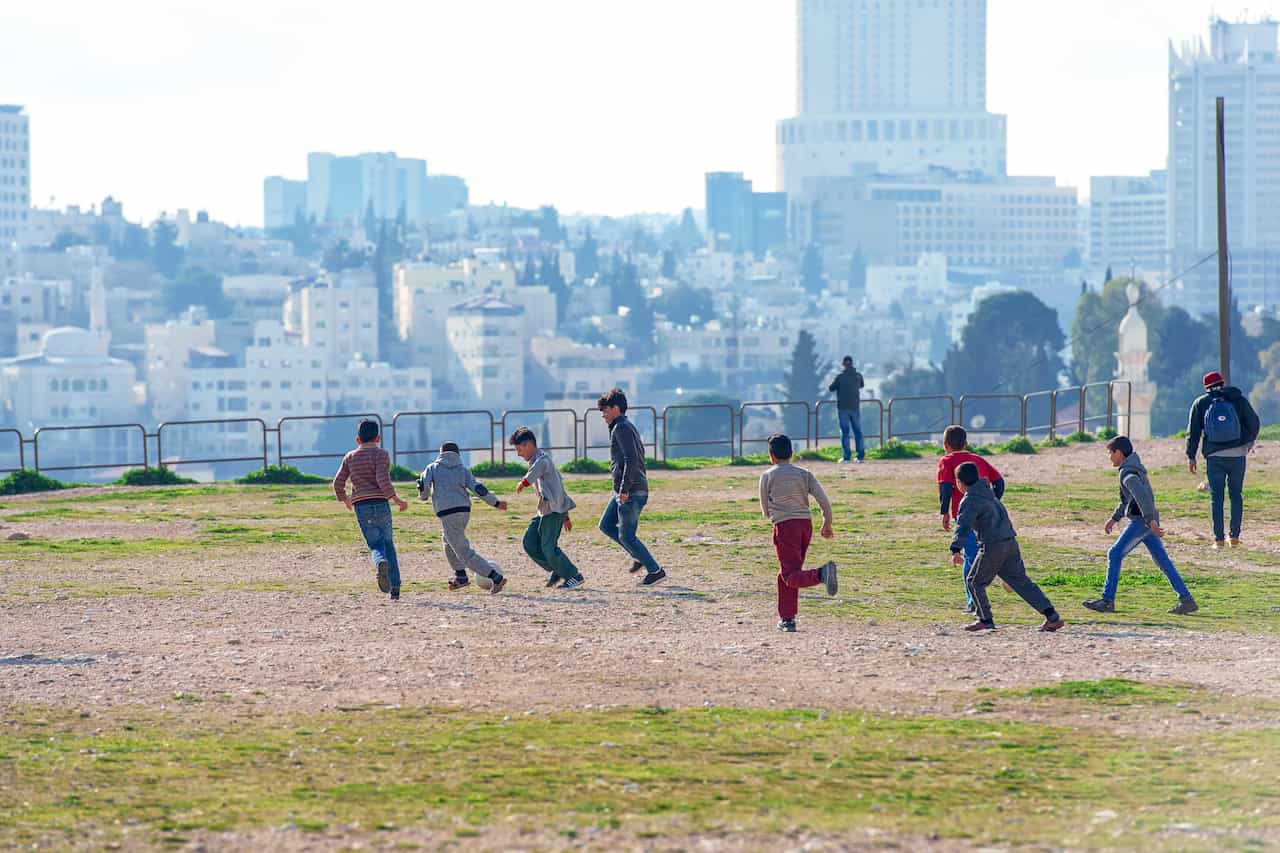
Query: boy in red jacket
955, 442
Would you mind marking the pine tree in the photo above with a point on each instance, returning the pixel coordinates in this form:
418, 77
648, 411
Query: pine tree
802, 382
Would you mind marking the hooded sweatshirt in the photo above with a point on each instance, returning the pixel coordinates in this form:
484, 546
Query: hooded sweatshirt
446, 483
1137, 500
1249, 425
547, 482
982, 512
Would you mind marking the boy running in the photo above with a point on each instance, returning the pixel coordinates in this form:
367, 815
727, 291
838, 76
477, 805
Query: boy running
955, 442
542, 539
999, 556
784, 499
446, 482
1138, 504
368, 468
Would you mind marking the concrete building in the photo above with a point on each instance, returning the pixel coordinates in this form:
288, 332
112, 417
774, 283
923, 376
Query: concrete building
425, 293
282, 202
169, 350
345, 188
899, 85
1128, 221
740, 220
340, 322
1240, 64
68, 382
256, 296
15, 171
1132, 362
923, 281
445, 194
486, 336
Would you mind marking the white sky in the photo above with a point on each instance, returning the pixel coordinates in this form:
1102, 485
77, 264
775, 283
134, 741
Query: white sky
592, 105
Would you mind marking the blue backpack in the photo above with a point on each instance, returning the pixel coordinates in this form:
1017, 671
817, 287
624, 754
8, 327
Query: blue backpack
1221, 422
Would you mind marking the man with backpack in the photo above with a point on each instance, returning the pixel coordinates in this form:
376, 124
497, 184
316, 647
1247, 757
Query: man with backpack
1223, 426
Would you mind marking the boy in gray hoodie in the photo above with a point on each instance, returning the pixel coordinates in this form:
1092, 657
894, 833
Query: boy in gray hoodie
447, 483
1138, 504
998, 553
542, 539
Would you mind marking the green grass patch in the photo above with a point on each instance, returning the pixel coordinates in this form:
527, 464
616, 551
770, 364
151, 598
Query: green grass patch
402, 474
1080, 437
280, 475
1017, 444
499, 469
161, 476
1110, 691
641, 771
585, 466
894, 449
26, 481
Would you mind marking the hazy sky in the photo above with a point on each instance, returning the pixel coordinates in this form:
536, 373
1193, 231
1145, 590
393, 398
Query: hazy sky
592, 105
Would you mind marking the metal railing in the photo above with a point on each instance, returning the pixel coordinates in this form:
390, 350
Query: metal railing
878, 435
1068, 408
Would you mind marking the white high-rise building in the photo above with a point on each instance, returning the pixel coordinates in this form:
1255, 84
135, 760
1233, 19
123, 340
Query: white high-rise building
1241, 65
1128, 220
15, 171
892, 86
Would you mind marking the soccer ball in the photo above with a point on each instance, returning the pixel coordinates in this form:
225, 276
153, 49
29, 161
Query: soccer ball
483, 582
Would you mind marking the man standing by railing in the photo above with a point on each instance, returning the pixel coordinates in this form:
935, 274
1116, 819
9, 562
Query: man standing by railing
848, 389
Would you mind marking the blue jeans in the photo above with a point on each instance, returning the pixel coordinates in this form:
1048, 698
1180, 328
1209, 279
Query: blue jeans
374, 518
619, 523
1135, 534
851, 422
1226, 474
970, 554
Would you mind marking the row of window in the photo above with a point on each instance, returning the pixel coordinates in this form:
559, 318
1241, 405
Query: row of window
79, 385
14, 180
316, 384
852, 130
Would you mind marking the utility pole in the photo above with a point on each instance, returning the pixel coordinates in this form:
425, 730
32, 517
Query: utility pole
1224, 293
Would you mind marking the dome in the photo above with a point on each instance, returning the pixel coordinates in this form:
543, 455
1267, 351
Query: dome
68, 342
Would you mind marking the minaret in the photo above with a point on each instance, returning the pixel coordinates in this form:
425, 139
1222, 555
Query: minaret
99, 323
1132, 361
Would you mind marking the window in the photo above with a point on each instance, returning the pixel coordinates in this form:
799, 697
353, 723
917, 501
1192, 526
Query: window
77, 385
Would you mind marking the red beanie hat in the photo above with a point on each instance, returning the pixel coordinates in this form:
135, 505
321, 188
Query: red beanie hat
1212, 378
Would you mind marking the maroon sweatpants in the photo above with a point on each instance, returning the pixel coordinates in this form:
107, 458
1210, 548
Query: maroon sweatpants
791, 542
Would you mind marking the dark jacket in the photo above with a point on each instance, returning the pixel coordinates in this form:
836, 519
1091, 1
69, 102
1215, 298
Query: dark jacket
982, 512
1195, 424
626, 458
1137, 499
847, 384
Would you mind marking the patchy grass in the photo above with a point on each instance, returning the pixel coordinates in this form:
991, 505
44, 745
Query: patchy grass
1111, 691
641, 771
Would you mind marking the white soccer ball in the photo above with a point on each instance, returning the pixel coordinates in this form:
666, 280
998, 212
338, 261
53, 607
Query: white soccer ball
483, 582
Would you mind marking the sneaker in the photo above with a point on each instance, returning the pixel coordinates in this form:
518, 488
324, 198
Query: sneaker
653, 577
843, 461
395, 593
1050, 626
498, 585
573, 583
1234, 542
861, 461
1219, 544
980, 626
970, 608
827, 574
459, 581
787, 626
636, 566
554, 580
1184, 606
1101, 605
384, 580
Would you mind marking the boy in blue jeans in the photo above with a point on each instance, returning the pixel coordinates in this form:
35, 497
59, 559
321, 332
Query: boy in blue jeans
1138, 504
368, 469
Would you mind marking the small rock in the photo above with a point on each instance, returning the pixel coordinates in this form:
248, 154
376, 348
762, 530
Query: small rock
18, 537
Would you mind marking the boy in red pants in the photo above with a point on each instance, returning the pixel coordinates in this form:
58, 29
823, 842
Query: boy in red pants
784, 500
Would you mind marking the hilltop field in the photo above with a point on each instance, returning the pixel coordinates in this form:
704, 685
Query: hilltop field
212, 667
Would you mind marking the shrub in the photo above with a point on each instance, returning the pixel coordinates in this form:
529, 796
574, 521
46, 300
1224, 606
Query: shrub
751, 460
499, 469
585, 466
161, 476
686, 463
1107, 433
280, 475
894, 449
1051, 442
1079, 437
403, 474
26, 480
820, 454
1017, 444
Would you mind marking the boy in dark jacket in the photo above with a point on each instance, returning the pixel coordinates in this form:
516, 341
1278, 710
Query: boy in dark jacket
630, 486
955, 444
1225, 443
1138, 504
998, 552
848, 390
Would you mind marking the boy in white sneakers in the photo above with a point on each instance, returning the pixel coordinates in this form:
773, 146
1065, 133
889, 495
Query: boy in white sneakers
447, 483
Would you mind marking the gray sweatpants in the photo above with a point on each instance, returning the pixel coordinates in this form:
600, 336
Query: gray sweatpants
458, 550
1003, 560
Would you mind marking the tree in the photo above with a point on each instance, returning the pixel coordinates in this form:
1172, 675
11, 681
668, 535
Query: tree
550, 275
1265, 395
1010, 345
668, 263
712, 425
1095, 330
683, 302
586, 257
529, 276
1106, 278
690, 237
803, 381
919, 417
548, 224
640, 328
133, 244
65, 240
811, 276
195, 286
166, 255
857, 273
340, 256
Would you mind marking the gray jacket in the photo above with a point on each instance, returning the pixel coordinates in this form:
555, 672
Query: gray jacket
848, 387
446, 483
626, 458
982, 513
1137, 500
547, 482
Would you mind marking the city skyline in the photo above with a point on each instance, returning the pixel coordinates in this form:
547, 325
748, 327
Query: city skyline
525, 119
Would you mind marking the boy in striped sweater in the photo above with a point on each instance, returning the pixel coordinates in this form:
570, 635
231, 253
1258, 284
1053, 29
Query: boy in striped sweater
368, 469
